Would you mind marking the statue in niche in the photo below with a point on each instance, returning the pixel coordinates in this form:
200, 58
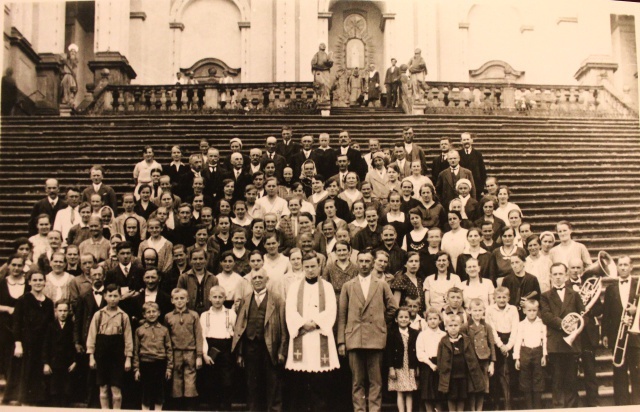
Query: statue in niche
406, 95
321, 68
357, 86
418, 71
355, 53
69, 83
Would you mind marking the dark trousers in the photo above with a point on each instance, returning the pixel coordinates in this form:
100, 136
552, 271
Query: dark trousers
500, 381
366, 365
588, 363
531, 377
264, 379
628, 372
564, 368
392, 94
308, 391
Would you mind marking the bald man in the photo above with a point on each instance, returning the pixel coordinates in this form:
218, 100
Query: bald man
50, 205
270, 154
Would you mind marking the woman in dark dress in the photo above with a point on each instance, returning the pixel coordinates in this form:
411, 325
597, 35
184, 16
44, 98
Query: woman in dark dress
409, 284
500, 262
12, 287
32, 315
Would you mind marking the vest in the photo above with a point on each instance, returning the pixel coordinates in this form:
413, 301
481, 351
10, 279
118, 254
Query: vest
255, 321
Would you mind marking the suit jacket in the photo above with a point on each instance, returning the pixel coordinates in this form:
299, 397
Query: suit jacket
43, 206
552, 311
357, 163
392, 76
185, 187
276, 335
327, 165
446, 188
107, 194
133, 280
287, 151
213, 180
590, 336
58, 350
279, 160
242, 181
405, 171
85, 309
437, 166
474, 162
394, 352
613, 313
362, 322
298, 159
133, 307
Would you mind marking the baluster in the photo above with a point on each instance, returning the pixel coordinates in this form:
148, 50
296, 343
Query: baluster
445, 99
200, 93
497, 93
272, 97
116, 100
455, 96
157, 98
128, 98
466, 97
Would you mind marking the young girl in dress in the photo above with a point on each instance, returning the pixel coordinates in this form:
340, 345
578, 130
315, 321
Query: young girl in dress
427, 352
402, 359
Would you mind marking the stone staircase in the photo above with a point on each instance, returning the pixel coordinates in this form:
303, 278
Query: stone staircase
584, 170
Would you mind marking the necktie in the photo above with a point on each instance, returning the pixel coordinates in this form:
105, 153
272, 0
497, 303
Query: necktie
126, 270
271, 156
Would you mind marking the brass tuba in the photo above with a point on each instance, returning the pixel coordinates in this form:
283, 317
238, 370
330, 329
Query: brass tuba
573, 323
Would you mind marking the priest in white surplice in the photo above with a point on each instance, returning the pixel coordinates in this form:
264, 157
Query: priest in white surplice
311, 314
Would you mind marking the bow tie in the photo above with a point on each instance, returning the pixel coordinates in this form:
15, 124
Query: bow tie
97, 292
575, 282
558, 289
622, 282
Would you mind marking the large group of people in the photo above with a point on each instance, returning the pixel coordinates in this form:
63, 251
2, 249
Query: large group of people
340, 275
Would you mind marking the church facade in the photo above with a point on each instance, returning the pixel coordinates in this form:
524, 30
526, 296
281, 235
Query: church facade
147, 42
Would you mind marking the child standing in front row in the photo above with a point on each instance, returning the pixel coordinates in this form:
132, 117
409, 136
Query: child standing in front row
217, 328
427, 352
152, 357
530, 354
402, 359
481, 335
454, 306
186, 340
110, 348
460, 371
416, 321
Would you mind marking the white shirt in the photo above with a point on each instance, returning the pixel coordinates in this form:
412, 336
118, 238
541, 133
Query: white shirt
427, 343
217, 324
98, 297
150, 296
278, 205
365, 282
63, 221
125, 269
625, 289
96, 188
437, 287
344, 150
503, 321
259, 296
560, 293
408, 147
531, 335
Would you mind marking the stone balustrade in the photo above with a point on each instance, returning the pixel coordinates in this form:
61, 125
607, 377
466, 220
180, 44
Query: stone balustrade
290, 97
527, 98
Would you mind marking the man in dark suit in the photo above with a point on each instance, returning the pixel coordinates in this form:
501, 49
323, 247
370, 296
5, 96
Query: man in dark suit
127, 273
306, 153
186, 185
400, 160
287, 147
590, 336
238, 175
270, 154
107, 194
366, 307
151, 293
212, 174
356, 162
50, 205
447, 179
261, 343
619, 296
472, 159
328, 156
415, 153
440, 162
555, 305
392, 83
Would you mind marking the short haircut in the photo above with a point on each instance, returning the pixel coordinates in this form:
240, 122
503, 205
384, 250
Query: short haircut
179, 291
501, 289
455, 289
217, 288
123, 245
557, 265
226, 254
476, 302
111, 287
150, 305
310, 255
531, 303
61, 302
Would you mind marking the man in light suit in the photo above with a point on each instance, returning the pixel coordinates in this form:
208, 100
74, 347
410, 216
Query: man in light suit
555, 304
618, 297
366, 307
50, 205
260, 343
447, 179
415, 153
472, 159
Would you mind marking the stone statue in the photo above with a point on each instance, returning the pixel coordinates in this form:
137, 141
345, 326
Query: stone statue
406, 95
321, 67
418, 71
69, 83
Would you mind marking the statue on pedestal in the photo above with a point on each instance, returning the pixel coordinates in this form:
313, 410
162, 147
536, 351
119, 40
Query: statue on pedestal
406, 95
418, 71
69, 83
321, 67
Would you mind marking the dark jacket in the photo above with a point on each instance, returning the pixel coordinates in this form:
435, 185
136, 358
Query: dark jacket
482, 339
528, 287
43, 206
58, 350
590, 336
474, 162
134, 307
552, 311
394, 352
613, 314
85, 309
445, 363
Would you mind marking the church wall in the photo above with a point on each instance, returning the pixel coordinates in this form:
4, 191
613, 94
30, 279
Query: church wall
155, 63
262, 41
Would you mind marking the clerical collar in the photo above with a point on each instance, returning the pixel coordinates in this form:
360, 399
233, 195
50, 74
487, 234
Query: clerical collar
311, 281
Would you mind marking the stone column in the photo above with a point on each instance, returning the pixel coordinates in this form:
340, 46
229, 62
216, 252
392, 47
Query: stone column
49, 42
245, 49
111, 42
176, 44
285, 46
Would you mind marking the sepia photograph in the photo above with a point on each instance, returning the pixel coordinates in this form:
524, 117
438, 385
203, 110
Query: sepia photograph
320, 205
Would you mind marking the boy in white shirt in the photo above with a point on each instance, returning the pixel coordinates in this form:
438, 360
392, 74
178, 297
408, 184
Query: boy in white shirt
530, 354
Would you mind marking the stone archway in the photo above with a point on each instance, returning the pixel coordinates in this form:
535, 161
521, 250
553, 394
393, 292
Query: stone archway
356, 39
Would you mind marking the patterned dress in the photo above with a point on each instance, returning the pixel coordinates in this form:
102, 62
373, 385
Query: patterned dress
405, 380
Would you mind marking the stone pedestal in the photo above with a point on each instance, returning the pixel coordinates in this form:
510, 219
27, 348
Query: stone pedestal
211, 98
120, 71
418, 107
508, 97
49, 75
594, 70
